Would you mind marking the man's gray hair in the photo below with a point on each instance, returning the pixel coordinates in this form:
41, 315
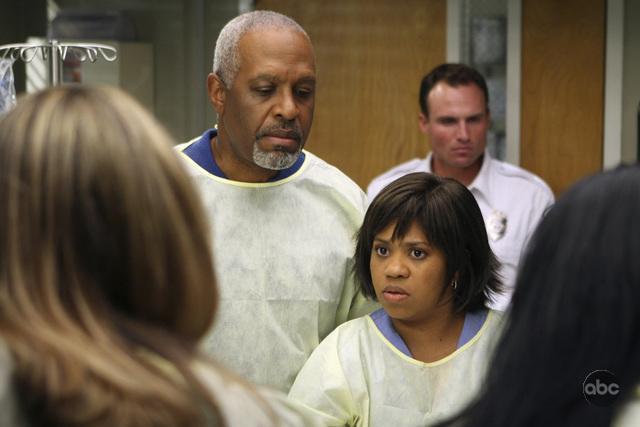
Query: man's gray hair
226, 57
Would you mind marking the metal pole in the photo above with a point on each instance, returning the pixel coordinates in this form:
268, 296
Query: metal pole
54, 64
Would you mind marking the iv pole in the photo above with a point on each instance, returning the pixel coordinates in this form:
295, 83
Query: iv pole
54, 53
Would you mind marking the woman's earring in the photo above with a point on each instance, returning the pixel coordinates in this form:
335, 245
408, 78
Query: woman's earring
454, 284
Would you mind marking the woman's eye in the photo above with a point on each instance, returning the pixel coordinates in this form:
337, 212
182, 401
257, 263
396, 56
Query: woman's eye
417, 253
382, 251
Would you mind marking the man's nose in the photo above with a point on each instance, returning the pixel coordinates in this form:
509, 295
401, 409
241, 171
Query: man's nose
286, 106
463, 131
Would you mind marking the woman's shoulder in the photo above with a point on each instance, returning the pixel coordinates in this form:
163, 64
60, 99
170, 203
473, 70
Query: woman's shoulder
349, 337
341, 350
355, 326
497, 317
494, 322
492, 328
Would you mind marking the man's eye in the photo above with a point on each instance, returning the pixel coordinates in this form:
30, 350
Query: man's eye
263, 90
304, 93
448, 122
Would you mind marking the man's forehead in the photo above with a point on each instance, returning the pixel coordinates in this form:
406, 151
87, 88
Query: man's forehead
445, 96
274, 37
265, 52
444, 87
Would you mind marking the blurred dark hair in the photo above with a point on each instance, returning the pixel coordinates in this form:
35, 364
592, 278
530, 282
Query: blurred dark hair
575, 310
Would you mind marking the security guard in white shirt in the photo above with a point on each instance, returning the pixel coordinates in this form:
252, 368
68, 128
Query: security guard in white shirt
454, 101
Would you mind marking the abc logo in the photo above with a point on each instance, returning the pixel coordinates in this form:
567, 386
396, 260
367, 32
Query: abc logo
601, 388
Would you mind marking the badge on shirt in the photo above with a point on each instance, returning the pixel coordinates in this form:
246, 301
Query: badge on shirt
496, 225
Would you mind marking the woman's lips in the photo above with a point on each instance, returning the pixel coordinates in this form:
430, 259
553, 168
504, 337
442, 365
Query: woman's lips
394, 294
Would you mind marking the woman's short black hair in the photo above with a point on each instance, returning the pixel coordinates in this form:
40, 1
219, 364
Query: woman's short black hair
450, 218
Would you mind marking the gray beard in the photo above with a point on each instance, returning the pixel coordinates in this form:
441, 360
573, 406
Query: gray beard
274, 160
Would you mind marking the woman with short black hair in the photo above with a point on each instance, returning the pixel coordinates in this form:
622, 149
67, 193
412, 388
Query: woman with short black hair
423, 253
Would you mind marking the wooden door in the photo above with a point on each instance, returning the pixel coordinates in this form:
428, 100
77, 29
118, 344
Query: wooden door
371, 56
562, 89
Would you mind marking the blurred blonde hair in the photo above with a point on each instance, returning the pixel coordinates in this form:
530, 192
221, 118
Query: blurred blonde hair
105, 264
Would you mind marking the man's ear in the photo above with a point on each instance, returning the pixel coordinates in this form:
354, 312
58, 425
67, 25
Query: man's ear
217, 92
423, 123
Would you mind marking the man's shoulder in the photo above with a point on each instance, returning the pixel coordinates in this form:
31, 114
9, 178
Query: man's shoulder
188, 162
323, 167
325, 174
519, 179
206, 136
384, 179
183, 145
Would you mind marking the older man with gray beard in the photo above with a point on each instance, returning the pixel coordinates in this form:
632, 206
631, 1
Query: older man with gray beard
282, 218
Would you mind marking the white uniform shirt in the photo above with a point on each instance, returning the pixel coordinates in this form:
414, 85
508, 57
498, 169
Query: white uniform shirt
357, 378
512, 201
283, 257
